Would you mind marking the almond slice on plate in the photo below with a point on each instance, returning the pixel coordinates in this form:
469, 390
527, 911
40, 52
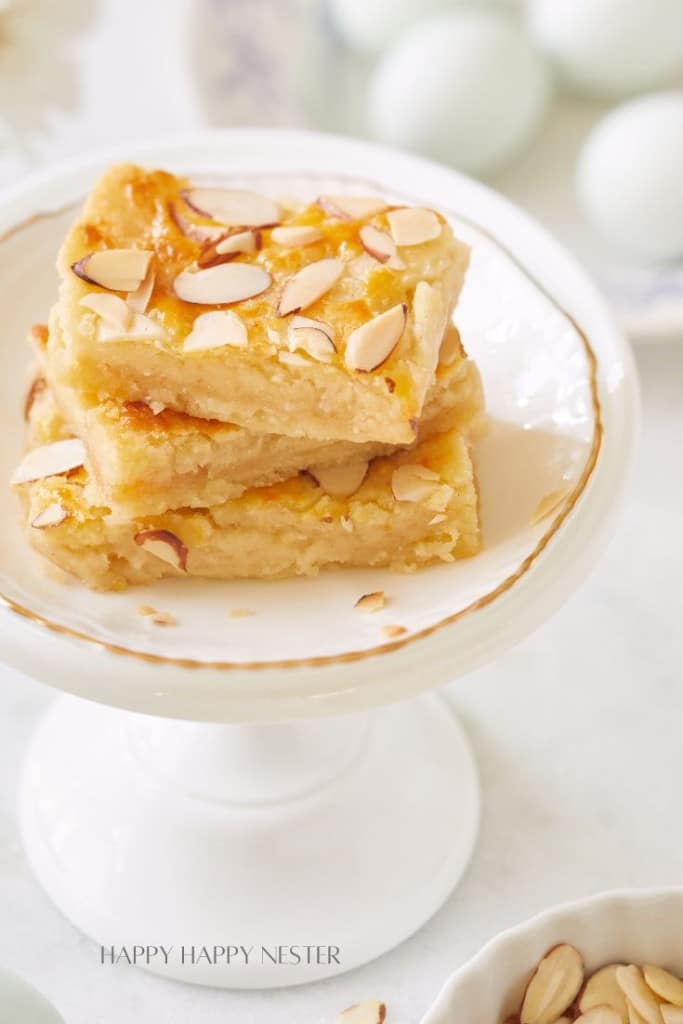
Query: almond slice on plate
164, 545
381, 246
118, 270
372, 1011
201, 233
351, 207
412, 225
633, 1016
53, 515
371, 345
291, 236
340, 481
50, 460
671, 1013
110, 308
233, 207
313, 336
553, 987
138, 300
422, 486
373, 602
229, 246
602, 989
600, 1015
221, 285
633, 985
215, 329
664, 984
308, 285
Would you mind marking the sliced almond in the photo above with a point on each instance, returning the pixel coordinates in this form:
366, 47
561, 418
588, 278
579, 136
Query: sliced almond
292, 359
421, 486
141, 328
602, 989
313, 336
229, 246
53, 515
233, 207
671, 1013
371, 345
370, 1012
373, 602
340, 481
119, 270
164, 545
138, 300
216, 329
451, 347
632, 984
391, 631
381, 246
110, 308
36, 389
308, 285
412, 225
600, 1015
633, 1016
351, 207
53, 459
292, 236
221, 285
553, 986
201, 233
664, 984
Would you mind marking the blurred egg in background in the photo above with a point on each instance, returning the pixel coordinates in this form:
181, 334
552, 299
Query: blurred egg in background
369, 25
464, 87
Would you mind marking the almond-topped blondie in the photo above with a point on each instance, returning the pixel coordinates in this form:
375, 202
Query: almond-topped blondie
321, 322
403, 511
144, 462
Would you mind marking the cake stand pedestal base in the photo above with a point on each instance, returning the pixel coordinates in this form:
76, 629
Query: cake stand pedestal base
257, 855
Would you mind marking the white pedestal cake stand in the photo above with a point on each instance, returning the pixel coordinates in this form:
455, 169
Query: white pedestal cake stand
246, 792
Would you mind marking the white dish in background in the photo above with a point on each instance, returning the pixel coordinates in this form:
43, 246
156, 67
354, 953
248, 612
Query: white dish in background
627, 926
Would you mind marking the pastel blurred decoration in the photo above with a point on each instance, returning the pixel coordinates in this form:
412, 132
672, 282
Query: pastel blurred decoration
630, 176
610, 47
369, 25
465, 87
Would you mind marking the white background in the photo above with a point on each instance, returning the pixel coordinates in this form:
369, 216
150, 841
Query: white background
577, 732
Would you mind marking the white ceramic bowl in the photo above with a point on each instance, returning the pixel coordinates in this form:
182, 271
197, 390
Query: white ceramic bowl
632, 925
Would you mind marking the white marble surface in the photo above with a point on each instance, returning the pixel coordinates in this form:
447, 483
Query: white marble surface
577, 731
578, 737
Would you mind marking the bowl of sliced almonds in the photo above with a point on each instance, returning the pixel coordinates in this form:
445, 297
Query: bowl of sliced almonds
616, 958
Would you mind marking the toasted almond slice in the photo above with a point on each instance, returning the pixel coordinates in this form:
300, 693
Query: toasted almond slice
602, 989
36, 389
553, 986
351, 207
391, 631
141, 328
632, 984
308, 285
381, 246
671, 1013
664, 984
371, 345
50, 460
370, 1012
451, 347
633, 1016
340, 481
233, 207
292, 359
313, 336
373, 602
53, 515
221, 285
412, 225
422, 486
164, 545
216, 329
600, 1015
293, 236
320, 325
229, 246
274, 337
201, 233
138, 300
119, 270
110, 308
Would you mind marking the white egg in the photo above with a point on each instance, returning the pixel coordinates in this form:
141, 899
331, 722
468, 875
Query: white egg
610, 47
630, 176
368, 25
464, 87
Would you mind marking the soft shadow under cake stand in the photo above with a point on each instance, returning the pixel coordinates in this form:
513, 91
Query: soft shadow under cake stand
283, 779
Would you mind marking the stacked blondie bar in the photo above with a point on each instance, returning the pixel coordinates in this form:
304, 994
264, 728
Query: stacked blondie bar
233, 386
